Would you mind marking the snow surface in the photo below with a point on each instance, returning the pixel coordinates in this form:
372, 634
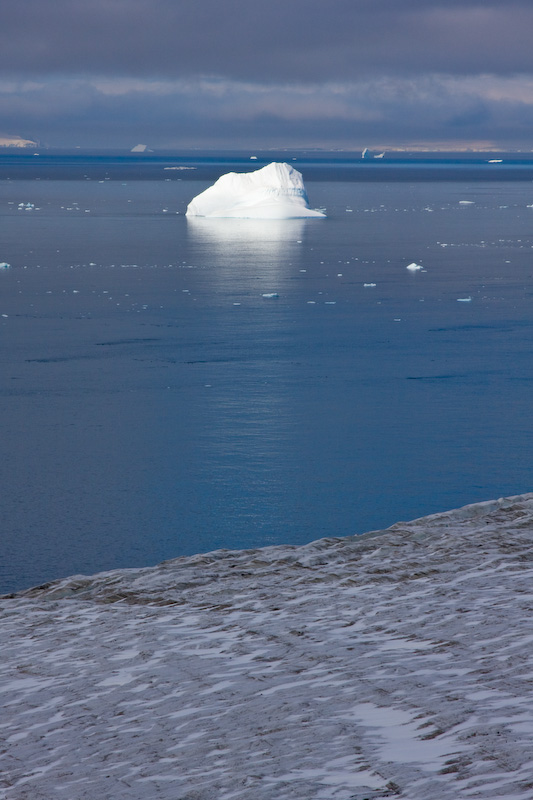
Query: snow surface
396, 664
276, 191
16, 141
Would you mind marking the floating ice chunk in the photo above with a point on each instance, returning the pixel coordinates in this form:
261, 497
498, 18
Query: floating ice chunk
466, 202
276, 191
139, 148
414, 267
464, 299
4, 265
270, 294
368, 285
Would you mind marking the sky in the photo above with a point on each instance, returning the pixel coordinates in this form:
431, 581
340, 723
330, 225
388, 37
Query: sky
268, 73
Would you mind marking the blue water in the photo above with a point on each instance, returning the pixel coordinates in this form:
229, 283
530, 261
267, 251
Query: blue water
155, 404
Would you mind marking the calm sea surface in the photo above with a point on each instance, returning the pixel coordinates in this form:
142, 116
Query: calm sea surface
155, 403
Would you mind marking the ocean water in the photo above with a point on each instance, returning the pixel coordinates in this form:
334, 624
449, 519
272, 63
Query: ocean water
154, 403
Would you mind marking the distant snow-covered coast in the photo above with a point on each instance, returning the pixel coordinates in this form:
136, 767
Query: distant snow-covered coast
396, 664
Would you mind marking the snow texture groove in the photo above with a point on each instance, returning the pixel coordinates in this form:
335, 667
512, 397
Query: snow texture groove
394, 664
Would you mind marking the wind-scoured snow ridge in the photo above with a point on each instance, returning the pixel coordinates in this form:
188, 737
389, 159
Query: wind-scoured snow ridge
394, 664
276, 191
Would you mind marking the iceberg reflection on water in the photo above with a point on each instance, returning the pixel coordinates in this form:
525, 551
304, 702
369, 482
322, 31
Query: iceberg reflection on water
263, 238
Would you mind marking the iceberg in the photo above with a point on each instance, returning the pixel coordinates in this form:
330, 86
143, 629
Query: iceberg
276, 191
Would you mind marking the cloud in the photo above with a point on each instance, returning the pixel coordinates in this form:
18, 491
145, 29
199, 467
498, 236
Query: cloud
219, 112
228, 72
300, 40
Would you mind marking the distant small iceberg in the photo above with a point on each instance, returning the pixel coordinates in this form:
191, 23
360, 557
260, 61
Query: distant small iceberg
367, 154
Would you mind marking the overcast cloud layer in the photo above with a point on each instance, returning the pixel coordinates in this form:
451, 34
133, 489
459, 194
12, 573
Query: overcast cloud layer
284, 72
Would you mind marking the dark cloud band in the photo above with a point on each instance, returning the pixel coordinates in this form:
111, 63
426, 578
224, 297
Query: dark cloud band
387, 112
305, 40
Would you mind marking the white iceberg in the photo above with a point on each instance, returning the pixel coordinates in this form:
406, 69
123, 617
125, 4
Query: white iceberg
276, 191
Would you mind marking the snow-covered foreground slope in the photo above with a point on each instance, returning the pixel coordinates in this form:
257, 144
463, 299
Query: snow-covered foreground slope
276, 191
398, 664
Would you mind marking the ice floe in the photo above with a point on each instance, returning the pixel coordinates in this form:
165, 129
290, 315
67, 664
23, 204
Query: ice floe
276, 191
397, 663
414, 267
